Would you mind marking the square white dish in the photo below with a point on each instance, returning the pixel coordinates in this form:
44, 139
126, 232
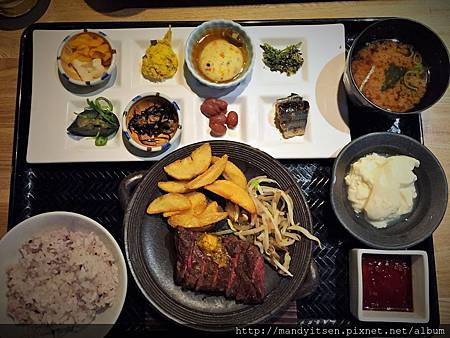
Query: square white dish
318, 81
420, 288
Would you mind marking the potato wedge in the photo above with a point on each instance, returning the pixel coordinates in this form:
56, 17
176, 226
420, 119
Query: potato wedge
210, 175
172, 213
198, 202
174, 186
233, 173
188, 219
231, 191
191, 166
169, 202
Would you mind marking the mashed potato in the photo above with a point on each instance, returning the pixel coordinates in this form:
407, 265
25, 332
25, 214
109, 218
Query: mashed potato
160, 61
382, 187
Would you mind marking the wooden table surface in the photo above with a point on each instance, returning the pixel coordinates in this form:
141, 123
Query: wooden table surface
436, 121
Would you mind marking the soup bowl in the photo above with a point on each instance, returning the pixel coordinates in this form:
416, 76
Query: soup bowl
434, 56
209, 27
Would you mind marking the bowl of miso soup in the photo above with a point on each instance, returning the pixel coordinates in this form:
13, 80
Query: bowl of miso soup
397, 66
219, 54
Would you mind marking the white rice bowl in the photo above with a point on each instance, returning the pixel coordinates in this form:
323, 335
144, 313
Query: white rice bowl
41, 224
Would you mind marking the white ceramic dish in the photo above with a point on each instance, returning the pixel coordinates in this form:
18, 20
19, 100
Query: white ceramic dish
317, 81
141, 147
15, 238
420, 288
209, 26
99, 81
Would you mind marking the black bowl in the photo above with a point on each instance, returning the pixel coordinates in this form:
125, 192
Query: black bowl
431, 185
424, 40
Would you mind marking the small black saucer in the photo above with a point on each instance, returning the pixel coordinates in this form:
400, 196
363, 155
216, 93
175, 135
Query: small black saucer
10, 23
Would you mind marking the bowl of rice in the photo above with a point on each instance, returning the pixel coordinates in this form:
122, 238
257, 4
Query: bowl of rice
61, 268
396, 66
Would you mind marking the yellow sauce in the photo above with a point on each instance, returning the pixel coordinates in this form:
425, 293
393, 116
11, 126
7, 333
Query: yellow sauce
212, 246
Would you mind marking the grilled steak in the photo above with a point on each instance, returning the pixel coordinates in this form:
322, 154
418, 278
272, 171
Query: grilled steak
215, 264
291, 115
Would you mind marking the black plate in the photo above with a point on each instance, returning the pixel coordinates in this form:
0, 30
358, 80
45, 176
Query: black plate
150, 250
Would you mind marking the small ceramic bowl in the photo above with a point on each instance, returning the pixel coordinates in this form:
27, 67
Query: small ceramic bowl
97, 81
361, 286
429, 205
33, 226
142, 101
434, 55
210, 26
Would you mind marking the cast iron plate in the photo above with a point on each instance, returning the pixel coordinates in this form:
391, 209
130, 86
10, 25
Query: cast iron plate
151, 253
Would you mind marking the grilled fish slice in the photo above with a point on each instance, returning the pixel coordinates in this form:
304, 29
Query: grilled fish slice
291, 115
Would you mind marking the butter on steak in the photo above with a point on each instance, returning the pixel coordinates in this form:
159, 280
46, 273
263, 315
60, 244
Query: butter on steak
291, 115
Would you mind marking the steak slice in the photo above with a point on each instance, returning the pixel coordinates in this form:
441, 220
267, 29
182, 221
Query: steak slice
198, 262
251, 286
184, 246
237, 248
242, 277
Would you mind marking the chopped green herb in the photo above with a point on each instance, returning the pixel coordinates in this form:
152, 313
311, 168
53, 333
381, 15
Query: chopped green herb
287, 60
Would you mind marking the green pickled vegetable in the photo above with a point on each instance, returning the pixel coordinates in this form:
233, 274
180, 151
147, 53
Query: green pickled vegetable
100, 140
287, 60
97, 120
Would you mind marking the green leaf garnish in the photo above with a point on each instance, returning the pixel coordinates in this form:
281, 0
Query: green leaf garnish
287, 60
392, 75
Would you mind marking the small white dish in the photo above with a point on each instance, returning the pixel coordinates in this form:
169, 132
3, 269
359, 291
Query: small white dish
141, 148
33, 226
98, 81
420, 288
213, 25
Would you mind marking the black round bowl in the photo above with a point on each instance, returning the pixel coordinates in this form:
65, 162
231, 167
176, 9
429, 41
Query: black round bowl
431, 186
424, 40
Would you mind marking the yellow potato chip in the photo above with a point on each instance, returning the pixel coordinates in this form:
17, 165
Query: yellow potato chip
106, 57
210, 175
231, 191
191, 166
188, 219
198, 202
174, 186
169, 202
104, 48
171, 213
233, 173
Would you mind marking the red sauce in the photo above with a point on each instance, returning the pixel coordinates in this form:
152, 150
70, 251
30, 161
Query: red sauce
387, 283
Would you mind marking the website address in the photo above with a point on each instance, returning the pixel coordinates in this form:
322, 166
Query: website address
347, 332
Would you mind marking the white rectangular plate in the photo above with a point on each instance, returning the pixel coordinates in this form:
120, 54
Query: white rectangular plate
318, 81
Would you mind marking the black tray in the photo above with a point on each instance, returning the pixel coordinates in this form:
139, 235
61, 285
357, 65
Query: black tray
92, 189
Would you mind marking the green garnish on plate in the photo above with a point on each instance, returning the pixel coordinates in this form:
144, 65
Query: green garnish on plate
287, 60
